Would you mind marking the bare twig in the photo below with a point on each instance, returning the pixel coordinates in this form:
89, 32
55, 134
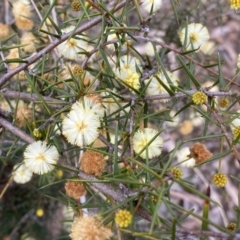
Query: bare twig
6, 187
15, 130
30, 97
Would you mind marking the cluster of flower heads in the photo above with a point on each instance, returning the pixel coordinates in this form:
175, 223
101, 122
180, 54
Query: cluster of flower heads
80, 126
39, 158
127, 72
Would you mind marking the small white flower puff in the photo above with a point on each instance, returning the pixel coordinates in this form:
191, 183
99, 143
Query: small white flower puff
80, 127
147, 5
21, 174
39, 157
155, 87
71, 47
142, 138
195, 35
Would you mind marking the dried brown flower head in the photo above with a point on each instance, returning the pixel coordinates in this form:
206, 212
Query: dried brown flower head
199, 152
23, 114
13, 53
186, 127
92, 163
75, 189
21, 8
89, 228
4, 31
28, 39
22, 12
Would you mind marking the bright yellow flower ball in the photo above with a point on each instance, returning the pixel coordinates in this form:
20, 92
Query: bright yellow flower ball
123, 218
219, 179
39, 212
199, 97
177, 172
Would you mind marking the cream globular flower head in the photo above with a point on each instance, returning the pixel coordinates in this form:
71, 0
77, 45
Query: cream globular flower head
142, 138
148, 4
235, 4
193, 36
155, 87
81, 127
39, 157
89, 228
71, 47
21, 174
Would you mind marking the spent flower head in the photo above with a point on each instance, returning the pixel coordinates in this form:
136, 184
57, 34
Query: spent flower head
4, 31
219, 179
232, 226
75, 189
123, 218
92, 163
142, 139
22, 12
193, 36
40, 157
199, 152
89, 228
